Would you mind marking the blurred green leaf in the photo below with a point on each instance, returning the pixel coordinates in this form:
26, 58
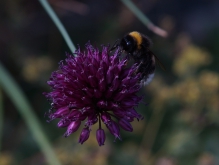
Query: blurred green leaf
16, 95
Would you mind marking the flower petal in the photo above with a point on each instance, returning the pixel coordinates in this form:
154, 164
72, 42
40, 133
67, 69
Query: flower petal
101, 137
73, 126
85, 133
125, 125
113, 127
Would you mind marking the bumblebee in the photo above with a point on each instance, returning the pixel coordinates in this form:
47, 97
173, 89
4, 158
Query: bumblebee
136, 46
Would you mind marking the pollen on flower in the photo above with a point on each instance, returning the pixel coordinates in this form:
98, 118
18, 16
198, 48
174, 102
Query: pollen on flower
94, 87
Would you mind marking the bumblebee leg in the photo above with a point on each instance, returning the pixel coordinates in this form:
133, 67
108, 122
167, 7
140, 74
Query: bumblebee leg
115, 45
128, 56
139, 65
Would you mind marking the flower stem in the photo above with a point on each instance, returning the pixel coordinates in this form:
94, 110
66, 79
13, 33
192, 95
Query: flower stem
144, 19
99, 121
20, 101
59, 25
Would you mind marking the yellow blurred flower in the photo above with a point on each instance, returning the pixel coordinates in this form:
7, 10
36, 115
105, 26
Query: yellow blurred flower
6, 158
34, 67
187, 91
189, 60
209, 81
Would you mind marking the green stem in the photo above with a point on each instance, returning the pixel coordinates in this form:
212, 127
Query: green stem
144, 19
1, 118
59, 25
20, 101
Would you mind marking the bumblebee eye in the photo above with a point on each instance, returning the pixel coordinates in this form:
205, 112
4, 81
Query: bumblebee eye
128, 44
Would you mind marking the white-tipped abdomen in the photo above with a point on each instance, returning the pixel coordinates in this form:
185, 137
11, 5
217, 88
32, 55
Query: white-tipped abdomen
147, 80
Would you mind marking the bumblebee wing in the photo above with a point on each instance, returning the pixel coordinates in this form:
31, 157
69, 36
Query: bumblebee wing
158, 61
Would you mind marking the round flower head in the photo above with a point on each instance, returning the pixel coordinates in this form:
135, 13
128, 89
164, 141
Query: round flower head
94, 87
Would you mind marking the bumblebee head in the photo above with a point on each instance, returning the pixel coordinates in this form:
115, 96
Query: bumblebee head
131, 42
128, 44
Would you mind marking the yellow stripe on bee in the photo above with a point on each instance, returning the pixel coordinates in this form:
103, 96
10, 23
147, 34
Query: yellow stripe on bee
137, 36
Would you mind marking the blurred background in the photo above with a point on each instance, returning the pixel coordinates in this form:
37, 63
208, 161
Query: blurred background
181, 120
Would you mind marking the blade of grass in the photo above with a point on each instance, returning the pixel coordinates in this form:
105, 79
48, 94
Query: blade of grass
1, 118
144, 19
58, 24
18, 98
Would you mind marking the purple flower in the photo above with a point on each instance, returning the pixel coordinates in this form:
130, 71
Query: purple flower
96, 87
100, 135
84, 135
